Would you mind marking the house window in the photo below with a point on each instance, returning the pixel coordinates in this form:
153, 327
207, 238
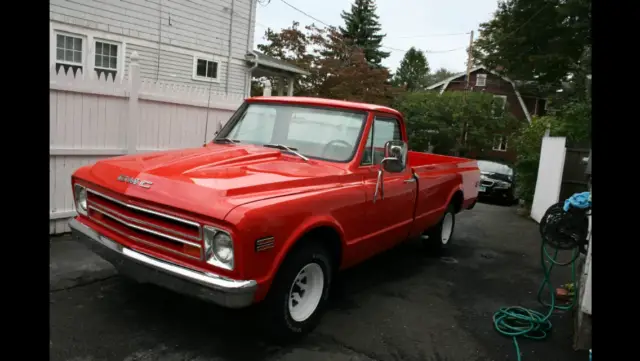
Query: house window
481, 79
500, 143
68, 53
205, 69
500, 104
106, 59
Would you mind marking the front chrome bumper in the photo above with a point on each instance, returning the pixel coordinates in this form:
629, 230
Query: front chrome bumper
143, 268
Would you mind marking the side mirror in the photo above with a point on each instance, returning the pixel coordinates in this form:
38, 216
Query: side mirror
394, 161
395, 156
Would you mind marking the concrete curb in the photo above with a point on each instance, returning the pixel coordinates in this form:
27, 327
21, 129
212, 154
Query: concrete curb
72, 264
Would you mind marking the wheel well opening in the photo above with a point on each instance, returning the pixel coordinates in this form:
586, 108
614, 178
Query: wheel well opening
329, 238
457, 200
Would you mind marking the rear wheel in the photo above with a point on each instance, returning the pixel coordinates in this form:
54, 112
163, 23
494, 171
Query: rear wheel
299, 293
439, 237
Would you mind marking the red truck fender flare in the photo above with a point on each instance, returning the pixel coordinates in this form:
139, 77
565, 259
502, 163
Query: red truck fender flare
305, 227
453, 192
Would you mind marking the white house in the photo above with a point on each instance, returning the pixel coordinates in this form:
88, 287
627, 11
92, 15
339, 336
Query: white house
195, 42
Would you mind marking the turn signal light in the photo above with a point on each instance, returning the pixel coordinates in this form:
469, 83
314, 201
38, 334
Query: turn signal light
191, 250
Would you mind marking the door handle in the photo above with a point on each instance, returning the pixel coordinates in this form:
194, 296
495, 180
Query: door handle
410, 180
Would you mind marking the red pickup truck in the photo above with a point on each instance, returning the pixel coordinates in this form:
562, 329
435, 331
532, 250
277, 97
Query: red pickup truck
291, 190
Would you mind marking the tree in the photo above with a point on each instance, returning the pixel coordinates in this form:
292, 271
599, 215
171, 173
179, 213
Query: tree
412, 74
362, 29
438, 76
441, 120
336, 71
541, 40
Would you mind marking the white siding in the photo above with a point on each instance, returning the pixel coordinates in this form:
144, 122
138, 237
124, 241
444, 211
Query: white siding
176, 29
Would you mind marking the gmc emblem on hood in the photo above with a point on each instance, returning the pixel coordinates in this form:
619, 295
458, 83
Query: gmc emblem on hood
135, 181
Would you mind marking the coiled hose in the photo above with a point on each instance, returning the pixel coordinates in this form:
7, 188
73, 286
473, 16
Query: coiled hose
560, 230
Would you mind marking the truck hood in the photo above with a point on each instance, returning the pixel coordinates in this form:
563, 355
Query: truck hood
214, 179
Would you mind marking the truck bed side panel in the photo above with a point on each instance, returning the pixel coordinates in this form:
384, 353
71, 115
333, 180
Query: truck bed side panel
439, 177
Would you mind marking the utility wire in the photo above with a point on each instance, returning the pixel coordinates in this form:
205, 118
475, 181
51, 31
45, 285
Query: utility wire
382, 46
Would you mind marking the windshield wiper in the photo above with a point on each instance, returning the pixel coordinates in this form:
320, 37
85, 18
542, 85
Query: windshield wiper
288, 149
226, 140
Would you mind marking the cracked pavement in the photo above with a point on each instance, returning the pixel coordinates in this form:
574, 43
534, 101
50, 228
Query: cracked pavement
402, 305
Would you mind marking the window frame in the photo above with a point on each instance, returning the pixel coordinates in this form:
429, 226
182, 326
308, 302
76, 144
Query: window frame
120, 48
83, 52
501, 139
386, 118
209, 58
483, 77
89, 38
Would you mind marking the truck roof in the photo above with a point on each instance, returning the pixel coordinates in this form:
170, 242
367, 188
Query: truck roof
324, 102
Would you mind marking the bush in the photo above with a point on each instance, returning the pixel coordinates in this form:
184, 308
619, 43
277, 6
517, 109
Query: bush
573, 121
440, 120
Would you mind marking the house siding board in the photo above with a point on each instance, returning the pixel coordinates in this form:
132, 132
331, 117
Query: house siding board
199, 26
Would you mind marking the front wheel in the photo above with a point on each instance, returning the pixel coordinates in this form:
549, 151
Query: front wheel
439, 237
299, 293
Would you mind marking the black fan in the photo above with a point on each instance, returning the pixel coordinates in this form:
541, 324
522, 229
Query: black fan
565, 230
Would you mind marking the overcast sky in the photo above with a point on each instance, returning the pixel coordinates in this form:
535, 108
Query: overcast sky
406, 22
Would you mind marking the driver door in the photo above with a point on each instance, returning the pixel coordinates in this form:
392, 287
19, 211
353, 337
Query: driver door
388, 220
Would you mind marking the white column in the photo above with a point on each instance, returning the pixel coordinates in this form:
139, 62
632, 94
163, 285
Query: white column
266, 90
290, 82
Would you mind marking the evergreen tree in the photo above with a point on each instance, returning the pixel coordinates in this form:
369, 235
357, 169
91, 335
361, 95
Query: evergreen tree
413, 72
362, 29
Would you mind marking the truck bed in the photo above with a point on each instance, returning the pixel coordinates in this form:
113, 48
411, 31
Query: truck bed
439, 177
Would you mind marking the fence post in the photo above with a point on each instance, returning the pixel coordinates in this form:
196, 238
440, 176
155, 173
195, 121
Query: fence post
134, 113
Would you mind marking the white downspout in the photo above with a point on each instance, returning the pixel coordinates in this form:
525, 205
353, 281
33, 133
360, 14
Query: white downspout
226, 86
250, 48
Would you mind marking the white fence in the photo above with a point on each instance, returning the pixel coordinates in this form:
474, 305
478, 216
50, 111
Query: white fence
92, 119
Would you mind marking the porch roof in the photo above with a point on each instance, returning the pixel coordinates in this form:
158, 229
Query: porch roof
270, 66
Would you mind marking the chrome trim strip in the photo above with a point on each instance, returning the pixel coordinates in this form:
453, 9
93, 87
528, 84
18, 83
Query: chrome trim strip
207, 279
107, 209
136, 239
159, 234
168, 216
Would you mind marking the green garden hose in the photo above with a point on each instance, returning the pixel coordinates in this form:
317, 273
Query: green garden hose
518, 321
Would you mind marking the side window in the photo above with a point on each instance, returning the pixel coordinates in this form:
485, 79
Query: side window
383, 130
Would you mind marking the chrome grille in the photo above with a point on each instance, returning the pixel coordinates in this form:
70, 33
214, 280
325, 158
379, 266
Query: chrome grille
147, 226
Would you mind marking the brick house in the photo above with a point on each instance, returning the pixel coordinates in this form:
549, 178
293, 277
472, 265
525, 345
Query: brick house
522, 106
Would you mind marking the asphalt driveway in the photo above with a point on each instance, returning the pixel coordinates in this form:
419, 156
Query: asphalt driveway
402, 305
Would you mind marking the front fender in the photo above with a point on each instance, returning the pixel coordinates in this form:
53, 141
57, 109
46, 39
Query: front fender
287, 219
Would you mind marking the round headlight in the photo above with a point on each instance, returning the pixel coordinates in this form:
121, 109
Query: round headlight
223, 247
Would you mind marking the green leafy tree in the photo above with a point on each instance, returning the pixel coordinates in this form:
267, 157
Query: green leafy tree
441, 121
572, 120
541, 40
336, 71
413, 72
362, 29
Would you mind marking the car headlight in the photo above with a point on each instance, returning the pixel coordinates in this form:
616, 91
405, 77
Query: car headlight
218, 248
503, 185
80, 195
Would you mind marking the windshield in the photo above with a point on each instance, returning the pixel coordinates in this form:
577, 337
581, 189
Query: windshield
493, 167
331, 134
